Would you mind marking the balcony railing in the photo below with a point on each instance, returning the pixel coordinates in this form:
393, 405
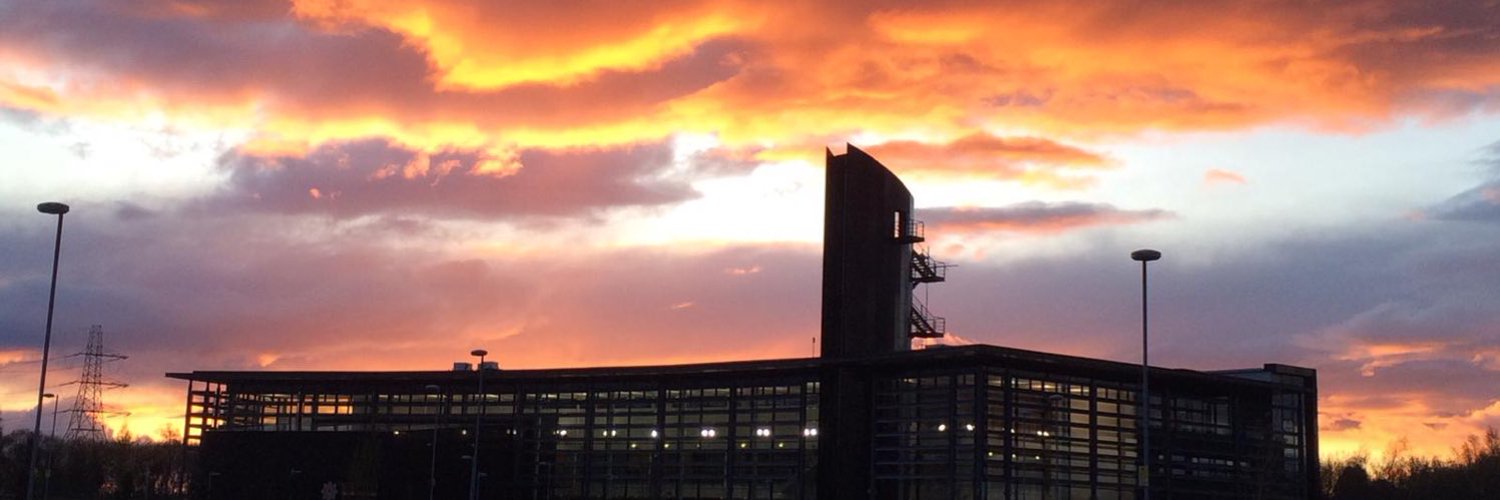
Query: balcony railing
911, 231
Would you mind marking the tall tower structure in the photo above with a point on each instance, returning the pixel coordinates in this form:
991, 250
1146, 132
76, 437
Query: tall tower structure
870, 266
870, 262
88, 406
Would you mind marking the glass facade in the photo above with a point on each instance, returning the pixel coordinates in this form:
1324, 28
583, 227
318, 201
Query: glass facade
755, 439
1001, 424
993, 432
1019, 435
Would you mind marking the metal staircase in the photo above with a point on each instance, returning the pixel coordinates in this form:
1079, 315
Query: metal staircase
924, 270
924, 324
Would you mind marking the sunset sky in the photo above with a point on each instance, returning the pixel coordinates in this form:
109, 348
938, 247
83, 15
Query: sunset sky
385, 185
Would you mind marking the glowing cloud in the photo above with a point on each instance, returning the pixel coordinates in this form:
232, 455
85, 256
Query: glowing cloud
525, 74
1221, 176
1033, 217
499, 44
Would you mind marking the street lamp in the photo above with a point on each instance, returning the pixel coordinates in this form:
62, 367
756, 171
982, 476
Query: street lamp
58, 209
1144, 476
53, 433
47, 482
432, 470
478, 420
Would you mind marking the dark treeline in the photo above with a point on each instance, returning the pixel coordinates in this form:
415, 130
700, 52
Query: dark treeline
122, 468
1473, 473
126, 468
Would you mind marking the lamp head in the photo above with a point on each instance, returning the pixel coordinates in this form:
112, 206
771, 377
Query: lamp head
479, 352
52, 207
49, 395
1145, 255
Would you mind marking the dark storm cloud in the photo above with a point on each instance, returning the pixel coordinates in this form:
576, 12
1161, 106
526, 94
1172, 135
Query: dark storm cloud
374, 176
1034, 217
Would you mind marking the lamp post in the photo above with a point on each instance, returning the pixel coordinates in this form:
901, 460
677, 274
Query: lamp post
53, 433
437, 412
58, 209
1144, 477
47, 481
478, 421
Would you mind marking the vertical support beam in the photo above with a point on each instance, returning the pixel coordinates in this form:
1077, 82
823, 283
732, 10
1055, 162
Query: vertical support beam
584, 471
730, 446
802, 445
518, 429
187, 416
954, 428
1094, 437
658, 444
981, 432
1006, 387
844, 451
1309, 423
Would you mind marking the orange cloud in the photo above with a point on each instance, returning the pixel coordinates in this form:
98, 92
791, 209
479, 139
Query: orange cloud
1419, 371
1220, 176
496, 45
523, 74
12, 356
1350, 425
1033, 217
987, 156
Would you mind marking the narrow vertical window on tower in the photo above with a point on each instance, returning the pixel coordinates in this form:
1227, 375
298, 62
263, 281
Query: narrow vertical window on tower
896, 231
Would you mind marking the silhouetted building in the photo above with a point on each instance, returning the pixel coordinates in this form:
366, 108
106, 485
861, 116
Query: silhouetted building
870, 418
